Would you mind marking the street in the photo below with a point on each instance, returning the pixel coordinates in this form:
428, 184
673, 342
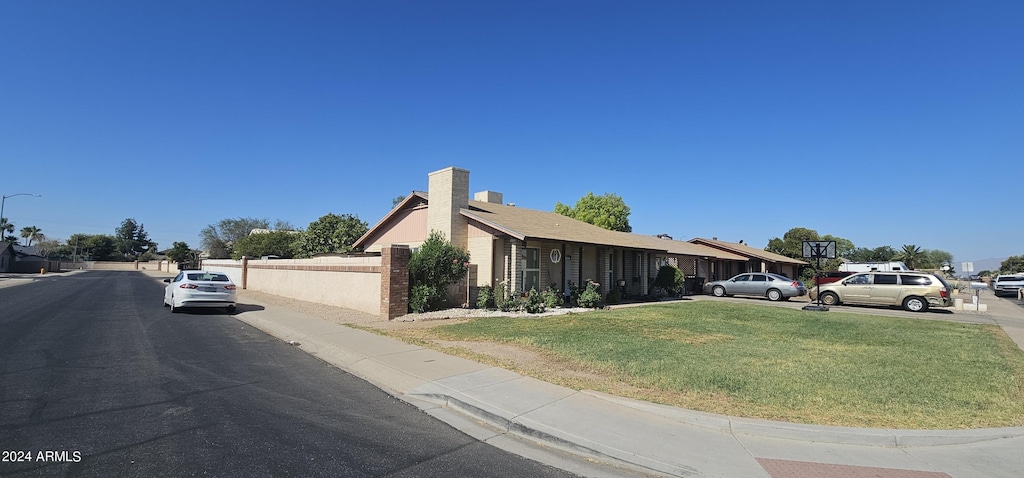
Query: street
98, 379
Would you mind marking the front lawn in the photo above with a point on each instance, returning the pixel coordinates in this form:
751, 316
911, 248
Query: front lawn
773, 363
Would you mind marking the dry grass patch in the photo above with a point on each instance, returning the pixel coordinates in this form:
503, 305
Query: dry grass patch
761, 362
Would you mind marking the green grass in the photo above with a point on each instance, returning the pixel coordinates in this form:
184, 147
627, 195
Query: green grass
783, 364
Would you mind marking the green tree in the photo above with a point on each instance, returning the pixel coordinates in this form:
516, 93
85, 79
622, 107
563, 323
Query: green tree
911, 255
52, 249
608, 211
219, 239
435, 266
878, 254
935, 259
397, 200
7, 230
792, 242
1012, 265
32, 233
92, 247
330, 233
132, 240
844, 247
180, 252
273, 243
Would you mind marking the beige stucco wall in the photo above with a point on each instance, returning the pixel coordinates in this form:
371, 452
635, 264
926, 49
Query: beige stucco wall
164, 266
357, 288
481, 254
408, 228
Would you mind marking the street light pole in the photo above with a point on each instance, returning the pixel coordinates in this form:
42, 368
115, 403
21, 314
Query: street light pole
4, 201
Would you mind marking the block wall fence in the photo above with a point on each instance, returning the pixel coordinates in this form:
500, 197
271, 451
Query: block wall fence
376, 285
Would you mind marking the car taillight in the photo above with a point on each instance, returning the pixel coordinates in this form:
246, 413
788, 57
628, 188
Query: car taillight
188, 286
943, 293
795, 284
229, 287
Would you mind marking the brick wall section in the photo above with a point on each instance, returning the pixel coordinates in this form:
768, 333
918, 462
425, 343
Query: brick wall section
394, 281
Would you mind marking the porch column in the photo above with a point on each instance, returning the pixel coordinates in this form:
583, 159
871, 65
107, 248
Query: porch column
645, 267
515, 268
606, 269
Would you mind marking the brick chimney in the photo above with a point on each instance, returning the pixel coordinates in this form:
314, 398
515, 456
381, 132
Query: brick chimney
448, 191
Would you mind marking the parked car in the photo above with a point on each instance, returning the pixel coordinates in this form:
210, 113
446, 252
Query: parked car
1007, 284
762, 284
199, 289
914, 291
828, 277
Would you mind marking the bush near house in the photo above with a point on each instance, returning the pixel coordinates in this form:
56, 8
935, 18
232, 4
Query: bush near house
671, 279
534, 303
435, 266
485, 297
553, 297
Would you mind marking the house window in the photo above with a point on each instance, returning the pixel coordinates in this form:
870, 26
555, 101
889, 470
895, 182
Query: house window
531, 269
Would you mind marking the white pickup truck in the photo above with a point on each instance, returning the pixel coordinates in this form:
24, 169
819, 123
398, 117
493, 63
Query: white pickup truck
1008, 284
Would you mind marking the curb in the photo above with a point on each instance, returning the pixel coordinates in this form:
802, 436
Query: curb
891, 438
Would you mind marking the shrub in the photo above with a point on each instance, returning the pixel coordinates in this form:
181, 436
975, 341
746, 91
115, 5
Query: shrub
670, 278
437, 265
589, 298
553, 297
510, 303
423, 297
485, 297
534, 303
507, 301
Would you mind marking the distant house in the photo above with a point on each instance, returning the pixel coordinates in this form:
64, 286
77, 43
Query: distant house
6, 256
23, 259
755, 260
526, 248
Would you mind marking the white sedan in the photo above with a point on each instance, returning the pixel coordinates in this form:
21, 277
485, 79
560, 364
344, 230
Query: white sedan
200, 289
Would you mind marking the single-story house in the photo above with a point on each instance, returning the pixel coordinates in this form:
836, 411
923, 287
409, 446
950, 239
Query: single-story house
6, 256
525, 248
755, 260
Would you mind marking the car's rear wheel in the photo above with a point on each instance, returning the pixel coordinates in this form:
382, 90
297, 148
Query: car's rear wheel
230, 309
718, 291
774, 295
830, 298
915, 304
174, 310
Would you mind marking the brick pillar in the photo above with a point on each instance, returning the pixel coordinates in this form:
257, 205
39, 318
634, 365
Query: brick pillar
394, 281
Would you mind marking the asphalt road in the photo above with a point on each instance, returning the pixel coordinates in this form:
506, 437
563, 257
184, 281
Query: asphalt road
98, 379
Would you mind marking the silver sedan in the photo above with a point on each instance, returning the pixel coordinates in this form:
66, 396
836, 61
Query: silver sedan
761, 284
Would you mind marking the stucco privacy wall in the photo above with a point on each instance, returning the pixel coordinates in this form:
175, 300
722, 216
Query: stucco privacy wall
350, 282
165, 266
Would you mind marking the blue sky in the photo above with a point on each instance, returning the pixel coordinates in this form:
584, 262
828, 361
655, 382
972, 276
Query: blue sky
886, 123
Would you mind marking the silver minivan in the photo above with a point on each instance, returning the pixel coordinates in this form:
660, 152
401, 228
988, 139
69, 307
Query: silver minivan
914, 291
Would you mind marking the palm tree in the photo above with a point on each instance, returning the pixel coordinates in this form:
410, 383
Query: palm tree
5, 228
32, 233
910, 254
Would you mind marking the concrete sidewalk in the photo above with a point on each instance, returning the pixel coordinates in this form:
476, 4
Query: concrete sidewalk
499, 407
